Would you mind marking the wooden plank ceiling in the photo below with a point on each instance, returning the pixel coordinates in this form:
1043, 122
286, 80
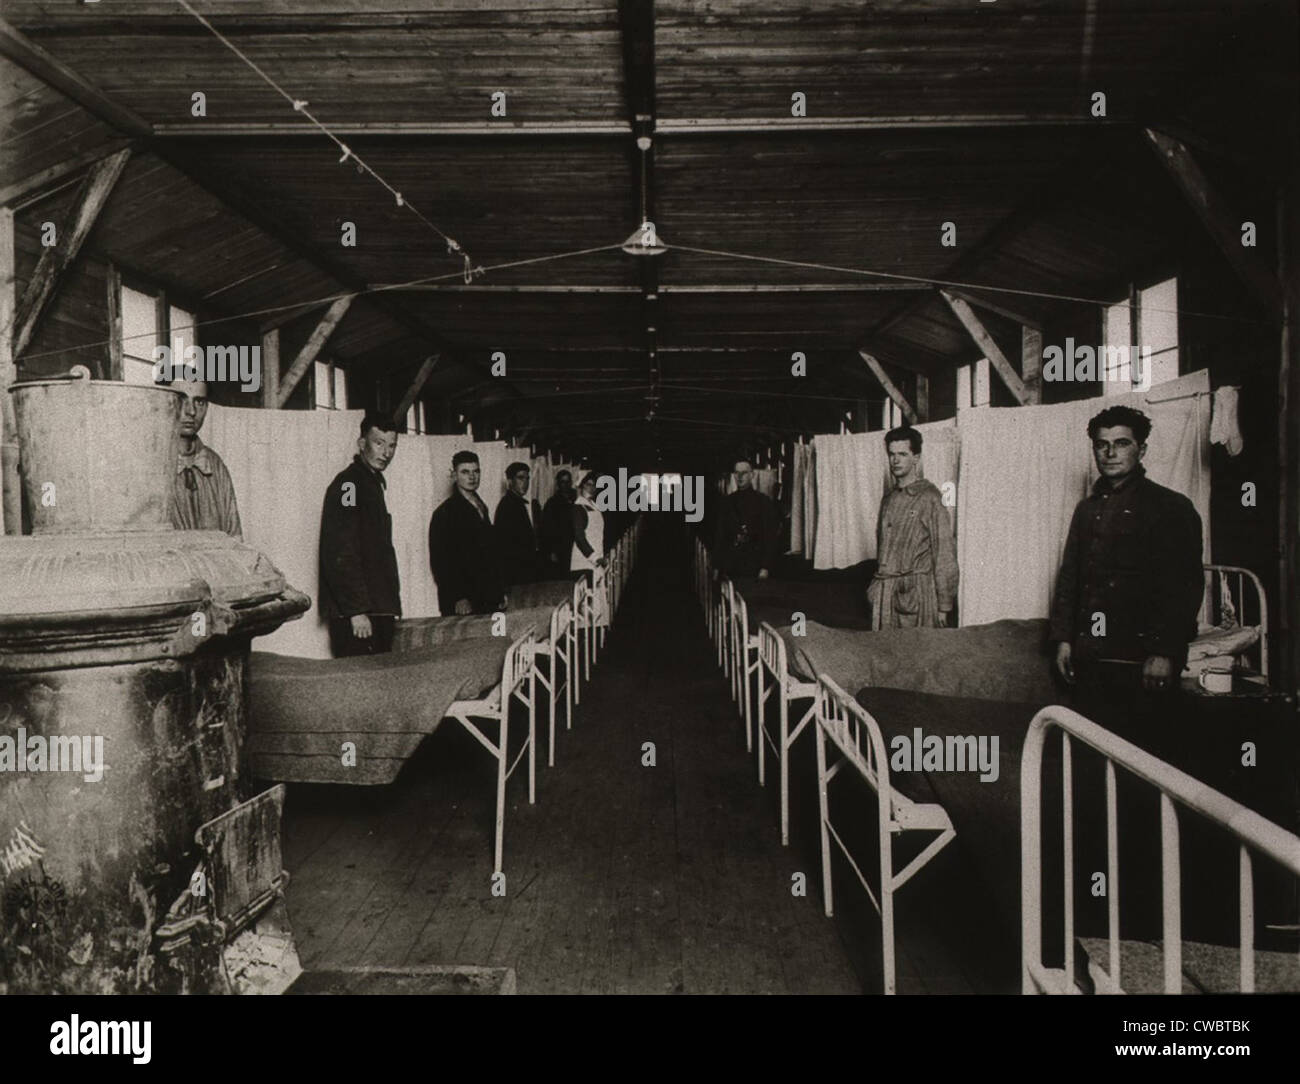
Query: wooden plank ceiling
919, 112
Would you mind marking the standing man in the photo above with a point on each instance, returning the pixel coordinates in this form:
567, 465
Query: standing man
1131, 581
557, 524
360, 594
748, 539
915, 585
517, 522
463, 548
203, 496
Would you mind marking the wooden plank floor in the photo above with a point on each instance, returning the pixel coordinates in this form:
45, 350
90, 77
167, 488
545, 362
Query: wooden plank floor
622, 878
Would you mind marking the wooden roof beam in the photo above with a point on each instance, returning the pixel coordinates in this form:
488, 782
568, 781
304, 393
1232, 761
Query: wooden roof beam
28, 55
986, 343
37, 186
1214, 214
412, 392
54, 261
1021, 317
311, 349
891, 389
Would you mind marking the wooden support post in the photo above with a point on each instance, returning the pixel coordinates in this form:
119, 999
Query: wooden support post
10, 492
413, 392
271, 368
891, 389
979, 333
1214, 214
1288, 387
312, 348
922, 397
1031, 363
55, 261
113, 307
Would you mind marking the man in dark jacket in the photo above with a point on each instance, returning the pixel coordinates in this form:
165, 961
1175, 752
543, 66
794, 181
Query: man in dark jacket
748, 539
360, 594
463, 547
557, 524
1131, 581
517, 524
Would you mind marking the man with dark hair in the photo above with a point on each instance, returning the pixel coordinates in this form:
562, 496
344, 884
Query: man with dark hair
360, 594
915, 585
203, 496
748, 538
1131, 581
557, 524
517, 521
462, 546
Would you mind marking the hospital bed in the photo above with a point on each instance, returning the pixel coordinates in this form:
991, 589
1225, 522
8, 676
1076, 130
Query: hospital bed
853, 734
358, 720
1254, 836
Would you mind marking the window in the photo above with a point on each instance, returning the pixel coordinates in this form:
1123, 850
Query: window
1154, 340
140, 334
973, 384
891, 417
148, 323
415, 419
331, 386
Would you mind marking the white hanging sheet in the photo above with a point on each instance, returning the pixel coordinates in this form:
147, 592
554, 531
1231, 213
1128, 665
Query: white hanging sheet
281, 462
1023, 470
851, 478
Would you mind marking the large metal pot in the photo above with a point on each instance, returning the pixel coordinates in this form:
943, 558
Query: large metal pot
96, 455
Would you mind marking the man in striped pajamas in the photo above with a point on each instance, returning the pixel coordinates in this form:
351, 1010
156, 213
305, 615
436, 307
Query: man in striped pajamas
915, 585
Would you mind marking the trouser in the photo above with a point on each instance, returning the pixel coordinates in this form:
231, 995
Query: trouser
344, 645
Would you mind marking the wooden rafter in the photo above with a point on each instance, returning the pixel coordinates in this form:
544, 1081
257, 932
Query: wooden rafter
28, 55
311, 348
1001, 307
10, 492
95, 190
35, 186
1031, 362
1214, 214
409, 397
979, 333
891, 389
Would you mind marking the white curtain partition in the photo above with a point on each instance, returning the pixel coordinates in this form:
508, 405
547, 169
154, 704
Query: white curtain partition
851, 479
1023, 469
282, 460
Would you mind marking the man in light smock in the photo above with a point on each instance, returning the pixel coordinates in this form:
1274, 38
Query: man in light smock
915, 585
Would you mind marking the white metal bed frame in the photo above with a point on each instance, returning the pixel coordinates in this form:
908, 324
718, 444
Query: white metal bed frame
843, 722
557, 647
1252, 832
1237, 578
517, 669
773, 663
745, 663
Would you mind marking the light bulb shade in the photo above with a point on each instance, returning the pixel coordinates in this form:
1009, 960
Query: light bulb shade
644, 241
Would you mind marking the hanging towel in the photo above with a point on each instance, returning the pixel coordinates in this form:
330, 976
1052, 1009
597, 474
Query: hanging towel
1224, 428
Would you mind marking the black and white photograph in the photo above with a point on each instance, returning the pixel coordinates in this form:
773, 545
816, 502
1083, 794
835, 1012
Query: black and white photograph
650, 497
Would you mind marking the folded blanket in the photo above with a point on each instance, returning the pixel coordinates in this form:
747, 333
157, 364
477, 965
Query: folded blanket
414, 633
1005, 660
302, 711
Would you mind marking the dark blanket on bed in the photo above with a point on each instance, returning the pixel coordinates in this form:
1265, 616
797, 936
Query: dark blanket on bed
302, 711
1201, 737
1007, 660
529, 605
835, 604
